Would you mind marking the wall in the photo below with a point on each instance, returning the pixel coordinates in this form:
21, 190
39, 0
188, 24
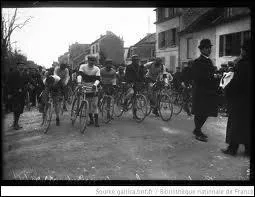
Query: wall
113, 48
231, 27
167, 52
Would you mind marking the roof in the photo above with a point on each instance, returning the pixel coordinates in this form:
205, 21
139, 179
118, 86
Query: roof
211, 18
108, 33
150, 38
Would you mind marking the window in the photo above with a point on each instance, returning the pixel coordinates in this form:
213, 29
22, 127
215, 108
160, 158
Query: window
162, 39
167, 38
172, 12
230, 44
166, 12
228, 12
189, 48
96, 48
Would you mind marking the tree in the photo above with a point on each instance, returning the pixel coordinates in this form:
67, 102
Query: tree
7, 29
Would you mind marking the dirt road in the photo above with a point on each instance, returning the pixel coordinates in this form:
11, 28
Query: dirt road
121, 150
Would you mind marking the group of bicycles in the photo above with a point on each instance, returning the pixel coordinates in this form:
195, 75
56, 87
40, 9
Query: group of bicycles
168, 102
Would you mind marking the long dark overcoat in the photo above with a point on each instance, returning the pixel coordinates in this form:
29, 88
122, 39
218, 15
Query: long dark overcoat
238, 94
16, 88
204, 91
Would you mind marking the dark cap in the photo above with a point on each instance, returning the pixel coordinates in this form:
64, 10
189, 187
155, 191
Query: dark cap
92, 58
205, 43
108, 60
135, 57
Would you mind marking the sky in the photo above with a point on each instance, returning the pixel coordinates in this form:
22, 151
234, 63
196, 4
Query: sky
52, 30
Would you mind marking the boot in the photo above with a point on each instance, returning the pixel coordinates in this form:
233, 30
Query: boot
200, 136
16, 120
91, 120
231, 149
96, 120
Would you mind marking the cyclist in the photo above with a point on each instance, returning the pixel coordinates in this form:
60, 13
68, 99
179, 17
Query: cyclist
155, 70
63, 72
120, 75
108, 81
52, 84
177, 80
90, 74
134, 73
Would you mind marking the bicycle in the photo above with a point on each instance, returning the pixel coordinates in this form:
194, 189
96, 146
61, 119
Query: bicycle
138, 102
163, 101
106, 103
180, 99
48, 111
80, 107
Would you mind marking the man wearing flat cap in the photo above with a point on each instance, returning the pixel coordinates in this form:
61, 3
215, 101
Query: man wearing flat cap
204, 93
90, 75
134, 73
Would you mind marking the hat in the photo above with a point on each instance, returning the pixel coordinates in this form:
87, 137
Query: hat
92, 58
205, 43
135, 57
108, 60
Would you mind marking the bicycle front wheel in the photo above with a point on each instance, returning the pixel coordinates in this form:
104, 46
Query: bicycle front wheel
83, 116
140, 107
165, 107
47, 116
118, 105
177, 102
75, 109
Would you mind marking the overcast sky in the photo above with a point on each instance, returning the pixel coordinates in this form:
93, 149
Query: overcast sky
51, 30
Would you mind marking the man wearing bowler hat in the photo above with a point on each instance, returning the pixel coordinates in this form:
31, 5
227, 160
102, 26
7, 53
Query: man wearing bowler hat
204, 93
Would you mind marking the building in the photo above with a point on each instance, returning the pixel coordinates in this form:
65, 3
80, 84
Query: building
126, 49
77, 53
108, 46
145, 48
64, 58
167, 41
227, 28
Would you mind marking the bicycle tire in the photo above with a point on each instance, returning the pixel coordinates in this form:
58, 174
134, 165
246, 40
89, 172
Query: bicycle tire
165, 99
47, 117
83, 113
118, 105
74, 110
104, 108
140, 102
177, 103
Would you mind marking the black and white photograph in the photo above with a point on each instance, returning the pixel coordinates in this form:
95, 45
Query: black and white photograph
126, 93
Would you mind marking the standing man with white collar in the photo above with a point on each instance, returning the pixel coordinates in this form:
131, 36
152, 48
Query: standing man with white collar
204, 95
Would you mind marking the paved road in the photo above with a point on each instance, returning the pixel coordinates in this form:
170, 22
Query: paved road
122, 150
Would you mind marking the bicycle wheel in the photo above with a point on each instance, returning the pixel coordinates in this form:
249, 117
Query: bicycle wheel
75, 109
149, 108
107, 111
47, 116
118, 105
165, 107
83, 116
177, 103
140, 104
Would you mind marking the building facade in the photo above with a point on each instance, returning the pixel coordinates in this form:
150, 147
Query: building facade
227, 28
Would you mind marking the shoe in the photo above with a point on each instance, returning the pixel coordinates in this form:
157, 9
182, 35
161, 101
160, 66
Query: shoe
17, 127
199, 133
229, 151
201, 138
57, 122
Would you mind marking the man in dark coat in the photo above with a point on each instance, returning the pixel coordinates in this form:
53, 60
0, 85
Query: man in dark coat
134, 73
16, 84
204, 91
239, 105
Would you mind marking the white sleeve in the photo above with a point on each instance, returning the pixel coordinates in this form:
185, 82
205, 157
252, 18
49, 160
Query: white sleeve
67, 77
98, 75
79, 77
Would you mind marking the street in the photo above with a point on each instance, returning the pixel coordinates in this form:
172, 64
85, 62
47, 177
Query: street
120, 150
